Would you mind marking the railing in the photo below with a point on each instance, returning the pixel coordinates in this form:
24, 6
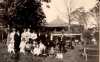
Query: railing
64, 34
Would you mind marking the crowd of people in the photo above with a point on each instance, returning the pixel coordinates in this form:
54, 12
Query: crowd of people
17, 41
38, 44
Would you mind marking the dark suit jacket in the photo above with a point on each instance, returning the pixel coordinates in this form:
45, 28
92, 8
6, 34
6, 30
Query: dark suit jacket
17, 39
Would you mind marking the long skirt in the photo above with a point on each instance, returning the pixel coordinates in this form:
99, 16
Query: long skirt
11, 48
22, 47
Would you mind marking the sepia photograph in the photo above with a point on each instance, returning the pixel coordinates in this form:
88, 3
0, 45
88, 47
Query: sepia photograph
49, 30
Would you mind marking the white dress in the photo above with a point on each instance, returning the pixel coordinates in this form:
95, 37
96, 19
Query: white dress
23, 42
37, 51
11, 42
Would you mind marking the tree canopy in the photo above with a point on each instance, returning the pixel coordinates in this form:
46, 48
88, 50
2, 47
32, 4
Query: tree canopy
26, 13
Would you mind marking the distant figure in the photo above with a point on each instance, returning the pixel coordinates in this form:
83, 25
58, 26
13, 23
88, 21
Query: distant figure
94, 41
67, 43
10, 41
76, 42
62, 46
17, 39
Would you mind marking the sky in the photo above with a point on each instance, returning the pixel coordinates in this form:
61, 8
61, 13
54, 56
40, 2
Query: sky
59, 8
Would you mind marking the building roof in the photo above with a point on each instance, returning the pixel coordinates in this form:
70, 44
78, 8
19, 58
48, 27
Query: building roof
58, 22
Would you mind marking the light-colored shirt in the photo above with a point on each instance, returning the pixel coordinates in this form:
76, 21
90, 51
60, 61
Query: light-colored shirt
33, 35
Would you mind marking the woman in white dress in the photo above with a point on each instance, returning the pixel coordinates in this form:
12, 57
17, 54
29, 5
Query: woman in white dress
23, 42
28, 34
29, 41
10, 42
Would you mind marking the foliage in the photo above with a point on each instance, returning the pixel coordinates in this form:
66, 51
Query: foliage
26, 13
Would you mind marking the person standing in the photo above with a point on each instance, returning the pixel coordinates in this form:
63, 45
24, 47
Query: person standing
17, 39
23, 42
42, 47
28, 34
10, 41
28, 40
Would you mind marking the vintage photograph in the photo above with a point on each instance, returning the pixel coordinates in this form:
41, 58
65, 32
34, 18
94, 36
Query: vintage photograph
49, 30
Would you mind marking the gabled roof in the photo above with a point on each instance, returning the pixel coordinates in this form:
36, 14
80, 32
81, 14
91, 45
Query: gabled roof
58, 22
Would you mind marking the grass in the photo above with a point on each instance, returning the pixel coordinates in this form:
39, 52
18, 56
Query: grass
71, 56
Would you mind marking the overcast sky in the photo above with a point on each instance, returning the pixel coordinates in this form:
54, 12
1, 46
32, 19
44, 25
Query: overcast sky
59, 8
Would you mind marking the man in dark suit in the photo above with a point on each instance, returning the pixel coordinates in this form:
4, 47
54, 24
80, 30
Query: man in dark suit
17, 39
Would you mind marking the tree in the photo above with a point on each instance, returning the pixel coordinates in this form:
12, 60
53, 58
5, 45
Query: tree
26, 13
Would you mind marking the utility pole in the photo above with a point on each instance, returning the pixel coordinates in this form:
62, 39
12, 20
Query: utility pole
68, 14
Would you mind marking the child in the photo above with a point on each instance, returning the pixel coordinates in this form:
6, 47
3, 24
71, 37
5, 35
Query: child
59, 56
36, 50
52, 51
